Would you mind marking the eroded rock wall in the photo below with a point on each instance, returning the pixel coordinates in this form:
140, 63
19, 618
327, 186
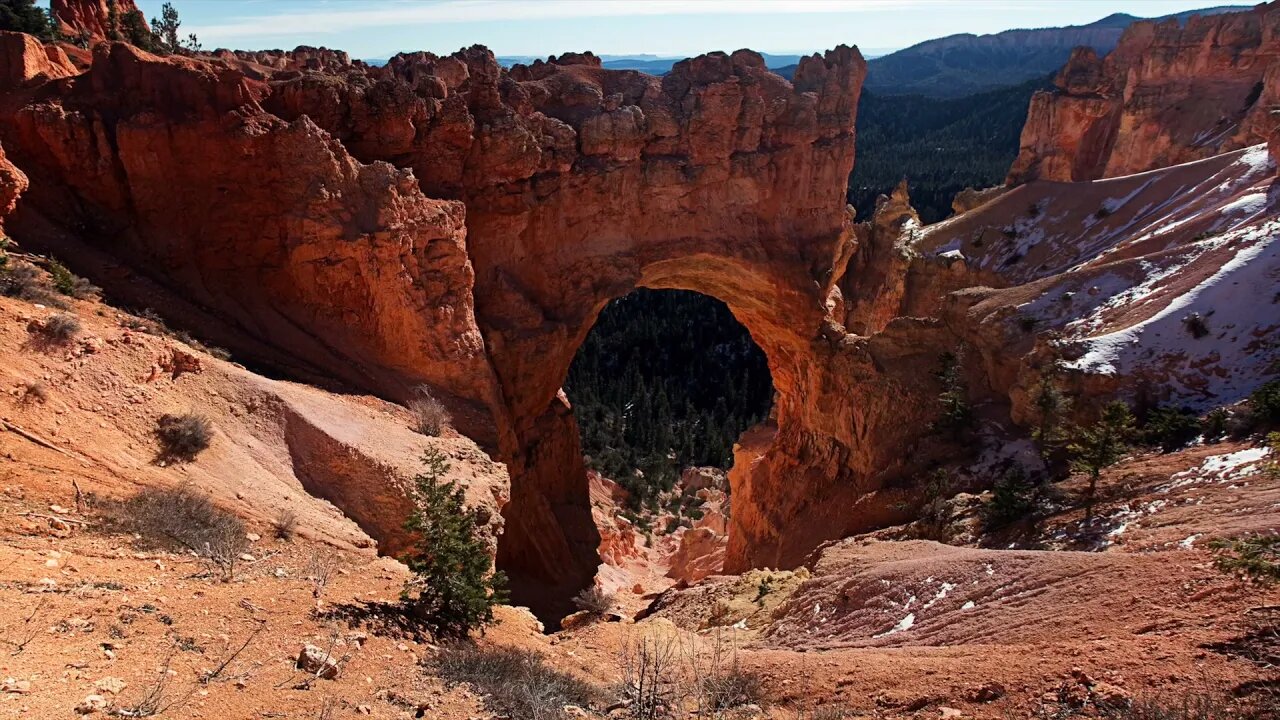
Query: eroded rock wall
91, 19
270, 225
1167, 94
293, 197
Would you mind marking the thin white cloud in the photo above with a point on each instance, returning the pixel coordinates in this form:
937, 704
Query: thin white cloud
417, 12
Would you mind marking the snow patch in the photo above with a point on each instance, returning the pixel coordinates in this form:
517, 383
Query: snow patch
903, 624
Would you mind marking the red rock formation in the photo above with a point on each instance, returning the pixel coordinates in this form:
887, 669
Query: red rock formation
364, 277
24, 61
578, 185
12, 184
1166, 95
90, 18
701, 553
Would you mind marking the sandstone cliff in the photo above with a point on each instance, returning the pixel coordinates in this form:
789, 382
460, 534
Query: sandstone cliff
1167, 94
91, 18
444, 222
562, 186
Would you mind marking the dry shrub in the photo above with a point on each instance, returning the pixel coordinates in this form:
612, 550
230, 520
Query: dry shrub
730, 687
60, 329
285, 524
181, 518
517, 683
184, 436
25, 282
654, 682
320, 569
595, 600
429, 414
34, 393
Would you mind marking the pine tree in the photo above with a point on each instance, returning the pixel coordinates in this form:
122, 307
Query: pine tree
165, 29
1101, 445
1051, 407
957, 415
454, 590
25, 17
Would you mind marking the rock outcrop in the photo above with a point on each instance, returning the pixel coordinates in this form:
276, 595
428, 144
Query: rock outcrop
92, 19
13, 182
561, 186
24, 61
441, 221
1167, 94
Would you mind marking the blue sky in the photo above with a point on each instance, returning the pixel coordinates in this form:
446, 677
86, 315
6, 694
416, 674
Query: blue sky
665, 27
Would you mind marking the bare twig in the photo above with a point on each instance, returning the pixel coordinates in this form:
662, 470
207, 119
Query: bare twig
213, 674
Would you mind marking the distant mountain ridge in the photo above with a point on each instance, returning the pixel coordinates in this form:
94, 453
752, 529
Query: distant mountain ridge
964, 64
646, 63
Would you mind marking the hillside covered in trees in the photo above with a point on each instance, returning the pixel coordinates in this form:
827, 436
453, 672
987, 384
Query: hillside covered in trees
665, 380
941, 146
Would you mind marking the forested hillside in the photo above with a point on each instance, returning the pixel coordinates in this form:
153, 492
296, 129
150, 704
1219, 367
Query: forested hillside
665, 380
964, 64
940, 146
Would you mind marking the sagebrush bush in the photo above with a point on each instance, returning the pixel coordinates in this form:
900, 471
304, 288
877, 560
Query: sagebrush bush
1193, 705
429, 414
732, 687
285, 524
184, 436
182, 518
595, 600
516, 683
60, 329
24, 281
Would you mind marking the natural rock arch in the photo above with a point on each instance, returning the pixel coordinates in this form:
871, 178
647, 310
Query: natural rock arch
510, 207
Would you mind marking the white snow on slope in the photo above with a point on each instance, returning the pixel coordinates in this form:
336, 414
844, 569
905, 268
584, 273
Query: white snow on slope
1239, 305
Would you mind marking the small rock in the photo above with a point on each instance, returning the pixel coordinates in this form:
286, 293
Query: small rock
317, 662
364, 709
1104, 693
253, 537
91, 704
574, 711
987, 692
246, 557
949, 712
14, 685
111, 685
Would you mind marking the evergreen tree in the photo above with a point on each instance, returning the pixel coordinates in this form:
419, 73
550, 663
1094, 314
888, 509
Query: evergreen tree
1051, 407
25, 17
956, 414
454, 590
1102, 445
166, 36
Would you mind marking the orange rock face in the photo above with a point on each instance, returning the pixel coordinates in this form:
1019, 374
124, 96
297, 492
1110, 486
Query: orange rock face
91, 18
1166, 95
13, 182
292, 214
23, 61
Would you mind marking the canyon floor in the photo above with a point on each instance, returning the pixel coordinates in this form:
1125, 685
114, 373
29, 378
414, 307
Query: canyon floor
1127, 604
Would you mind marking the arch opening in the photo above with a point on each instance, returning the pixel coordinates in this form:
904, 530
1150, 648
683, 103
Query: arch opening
549, 544
666, 380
